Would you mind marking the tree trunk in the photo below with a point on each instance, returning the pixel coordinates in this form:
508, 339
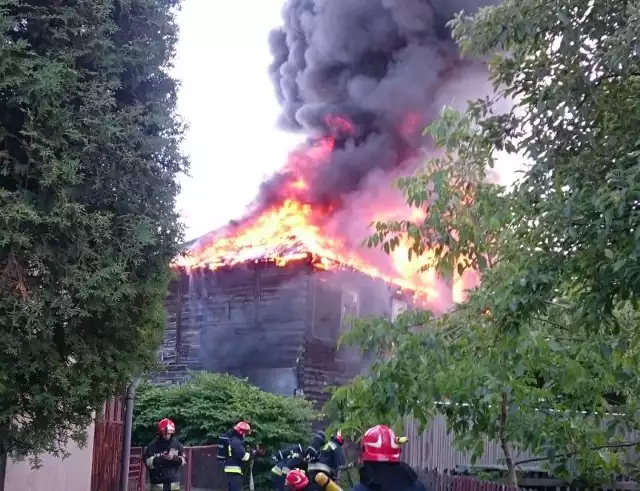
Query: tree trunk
512, 478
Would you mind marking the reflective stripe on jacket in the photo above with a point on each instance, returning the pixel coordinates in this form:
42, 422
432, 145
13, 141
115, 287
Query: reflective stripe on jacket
237, 455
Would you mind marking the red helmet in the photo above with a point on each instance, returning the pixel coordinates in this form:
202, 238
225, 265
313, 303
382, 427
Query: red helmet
166, 426
339, 438
242, 427
380, 444
296, 480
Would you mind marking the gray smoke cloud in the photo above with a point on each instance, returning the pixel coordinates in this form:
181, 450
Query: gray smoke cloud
373, 62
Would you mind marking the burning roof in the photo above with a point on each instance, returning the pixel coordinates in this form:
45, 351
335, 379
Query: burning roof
361, 78
293, 233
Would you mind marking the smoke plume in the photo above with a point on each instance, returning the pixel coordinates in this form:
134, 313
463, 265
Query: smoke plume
377, 64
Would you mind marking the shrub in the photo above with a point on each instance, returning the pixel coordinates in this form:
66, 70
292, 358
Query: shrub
209, 404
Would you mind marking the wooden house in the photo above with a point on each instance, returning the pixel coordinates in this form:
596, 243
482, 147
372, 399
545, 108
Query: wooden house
278, 325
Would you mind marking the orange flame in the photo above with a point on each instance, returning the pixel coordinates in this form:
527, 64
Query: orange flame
291, 232
295, 231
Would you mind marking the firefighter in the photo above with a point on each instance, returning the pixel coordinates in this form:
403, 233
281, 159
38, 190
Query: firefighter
237, 455
298, 480
285, 459
295, 461
315, 445
330, 459
163, 457
380, 466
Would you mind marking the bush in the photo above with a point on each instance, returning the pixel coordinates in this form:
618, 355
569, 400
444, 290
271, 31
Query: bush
209, 404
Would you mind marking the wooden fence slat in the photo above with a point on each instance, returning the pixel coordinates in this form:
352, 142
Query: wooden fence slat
107, 449
434, 449
187, 485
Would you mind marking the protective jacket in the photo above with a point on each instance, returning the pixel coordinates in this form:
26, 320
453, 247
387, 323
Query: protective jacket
388, 476
331, 460
296, 461
286, 459
277, 478
237, 454
164, 471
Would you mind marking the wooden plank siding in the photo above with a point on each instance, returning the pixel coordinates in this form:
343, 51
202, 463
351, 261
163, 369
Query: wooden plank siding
107, 446
235, 320
434, 449
278, 326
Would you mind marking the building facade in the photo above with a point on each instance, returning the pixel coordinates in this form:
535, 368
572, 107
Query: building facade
277, 325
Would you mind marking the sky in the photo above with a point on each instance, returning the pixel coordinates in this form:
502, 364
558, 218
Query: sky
227, 99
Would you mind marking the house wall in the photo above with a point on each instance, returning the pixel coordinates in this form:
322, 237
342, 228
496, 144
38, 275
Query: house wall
278, 326
241, 320
337, 297
71, 474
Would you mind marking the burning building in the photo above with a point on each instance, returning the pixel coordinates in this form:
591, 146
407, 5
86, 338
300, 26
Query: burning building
268, 299
275, 318
268, 296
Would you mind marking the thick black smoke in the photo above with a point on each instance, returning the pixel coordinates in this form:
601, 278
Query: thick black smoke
373, 61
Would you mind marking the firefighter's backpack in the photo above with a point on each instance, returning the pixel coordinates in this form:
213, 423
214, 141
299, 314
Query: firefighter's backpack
224, 444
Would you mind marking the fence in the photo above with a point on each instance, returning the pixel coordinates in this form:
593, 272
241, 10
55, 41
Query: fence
434, 449
107, 447
439, 481
203, 473
137, 471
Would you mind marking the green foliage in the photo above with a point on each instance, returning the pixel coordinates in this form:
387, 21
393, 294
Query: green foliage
543, 355
540, 391
210, 404
89, 155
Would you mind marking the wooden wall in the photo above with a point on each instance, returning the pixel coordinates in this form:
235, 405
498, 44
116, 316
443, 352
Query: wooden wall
336, 298
236, 320
279, 326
